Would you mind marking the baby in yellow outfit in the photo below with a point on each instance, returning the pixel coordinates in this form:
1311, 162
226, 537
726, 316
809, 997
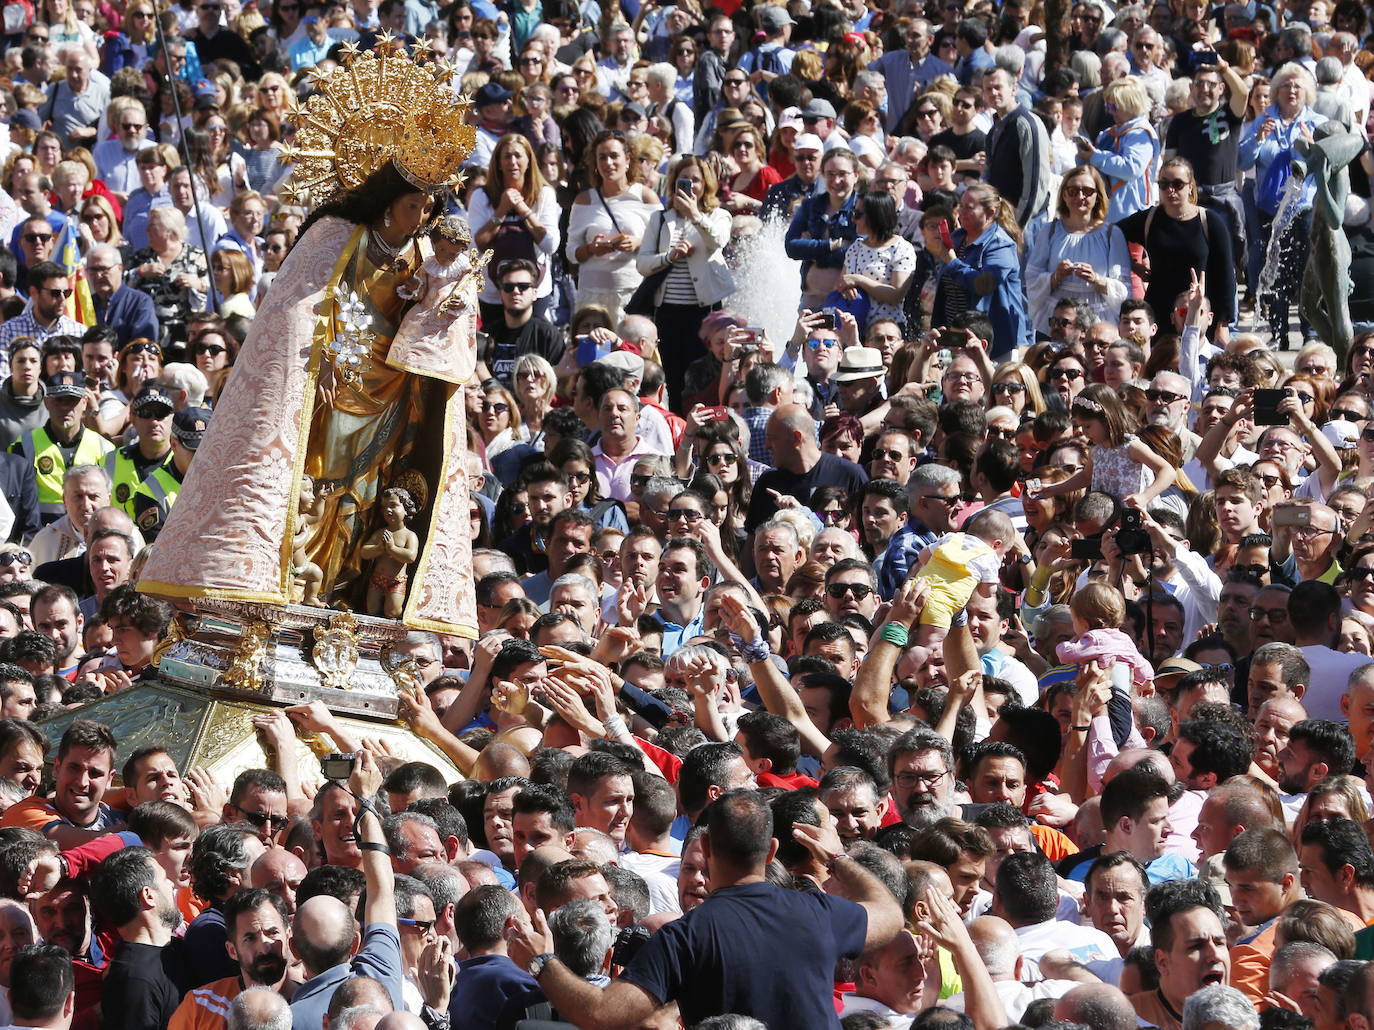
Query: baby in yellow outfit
955, 566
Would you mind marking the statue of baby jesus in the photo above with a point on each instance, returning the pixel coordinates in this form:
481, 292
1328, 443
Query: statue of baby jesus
391, 550
451, 239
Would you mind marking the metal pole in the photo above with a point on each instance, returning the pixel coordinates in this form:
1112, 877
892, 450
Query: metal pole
185, 152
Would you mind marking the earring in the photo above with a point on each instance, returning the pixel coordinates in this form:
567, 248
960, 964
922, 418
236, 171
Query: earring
386, 220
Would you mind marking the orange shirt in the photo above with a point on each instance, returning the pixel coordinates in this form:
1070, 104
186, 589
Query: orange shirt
1250, 965
35, 814
206, 1008
1052, 842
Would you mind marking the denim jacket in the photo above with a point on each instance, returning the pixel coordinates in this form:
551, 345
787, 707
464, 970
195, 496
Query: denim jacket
812, 229
999, 296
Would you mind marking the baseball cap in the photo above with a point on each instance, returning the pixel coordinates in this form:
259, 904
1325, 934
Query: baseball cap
25, 119
790, 118
1341, 433
773, 18
188, 426
150, 399
630, 364
632, 110
808, 141
817, 109
66, 384
491, 93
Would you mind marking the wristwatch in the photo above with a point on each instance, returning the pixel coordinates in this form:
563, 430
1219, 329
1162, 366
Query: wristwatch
538, 963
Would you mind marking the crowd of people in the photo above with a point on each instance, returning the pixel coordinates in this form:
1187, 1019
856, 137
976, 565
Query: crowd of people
996, 649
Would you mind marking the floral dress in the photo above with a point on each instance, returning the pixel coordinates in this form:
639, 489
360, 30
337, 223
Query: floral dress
897, 255
1115, 472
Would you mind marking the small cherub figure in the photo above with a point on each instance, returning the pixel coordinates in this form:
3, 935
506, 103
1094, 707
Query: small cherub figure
307, 578
391, 549
451, 239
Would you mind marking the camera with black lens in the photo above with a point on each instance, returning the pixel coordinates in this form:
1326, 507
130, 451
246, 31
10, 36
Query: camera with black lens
338, 767
1131, 536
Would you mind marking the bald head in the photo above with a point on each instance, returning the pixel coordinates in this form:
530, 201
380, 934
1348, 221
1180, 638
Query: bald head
594, 845
401, 1021
259, 1008
1100, 1006
324, 933
1132, 757
110, 518
280, 872
795, 418
500, 759
997, 946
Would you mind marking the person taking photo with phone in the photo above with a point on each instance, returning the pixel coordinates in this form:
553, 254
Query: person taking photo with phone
682, 258
1080, 256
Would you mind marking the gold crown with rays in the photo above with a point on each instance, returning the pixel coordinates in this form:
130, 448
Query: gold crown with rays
377, 106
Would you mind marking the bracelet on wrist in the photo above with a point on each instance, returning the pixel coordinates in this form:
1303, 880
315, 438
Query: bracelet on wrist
894, 633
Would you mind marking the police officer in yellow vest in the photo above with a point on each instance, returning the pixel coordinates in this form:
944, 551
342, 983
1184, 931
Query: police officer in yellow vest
130, 465
61, 442
156, 494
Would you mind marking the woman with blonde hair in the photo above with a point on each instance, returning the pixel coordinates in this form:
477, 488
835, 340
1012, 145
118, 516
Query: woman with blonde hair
1126, 153
684, 245
1080, 256
1014, 385
499, 424
1269, 148
535, 384
99, 224
515, 215
273, 94
648, 153
66, 32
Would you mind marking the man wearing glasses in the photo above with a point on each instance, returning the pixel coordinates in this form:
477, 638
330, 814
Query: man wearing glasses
518, 332
710, 71
1169, 406
36, 238
116, 159
45, 314
258, 798
933, 493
